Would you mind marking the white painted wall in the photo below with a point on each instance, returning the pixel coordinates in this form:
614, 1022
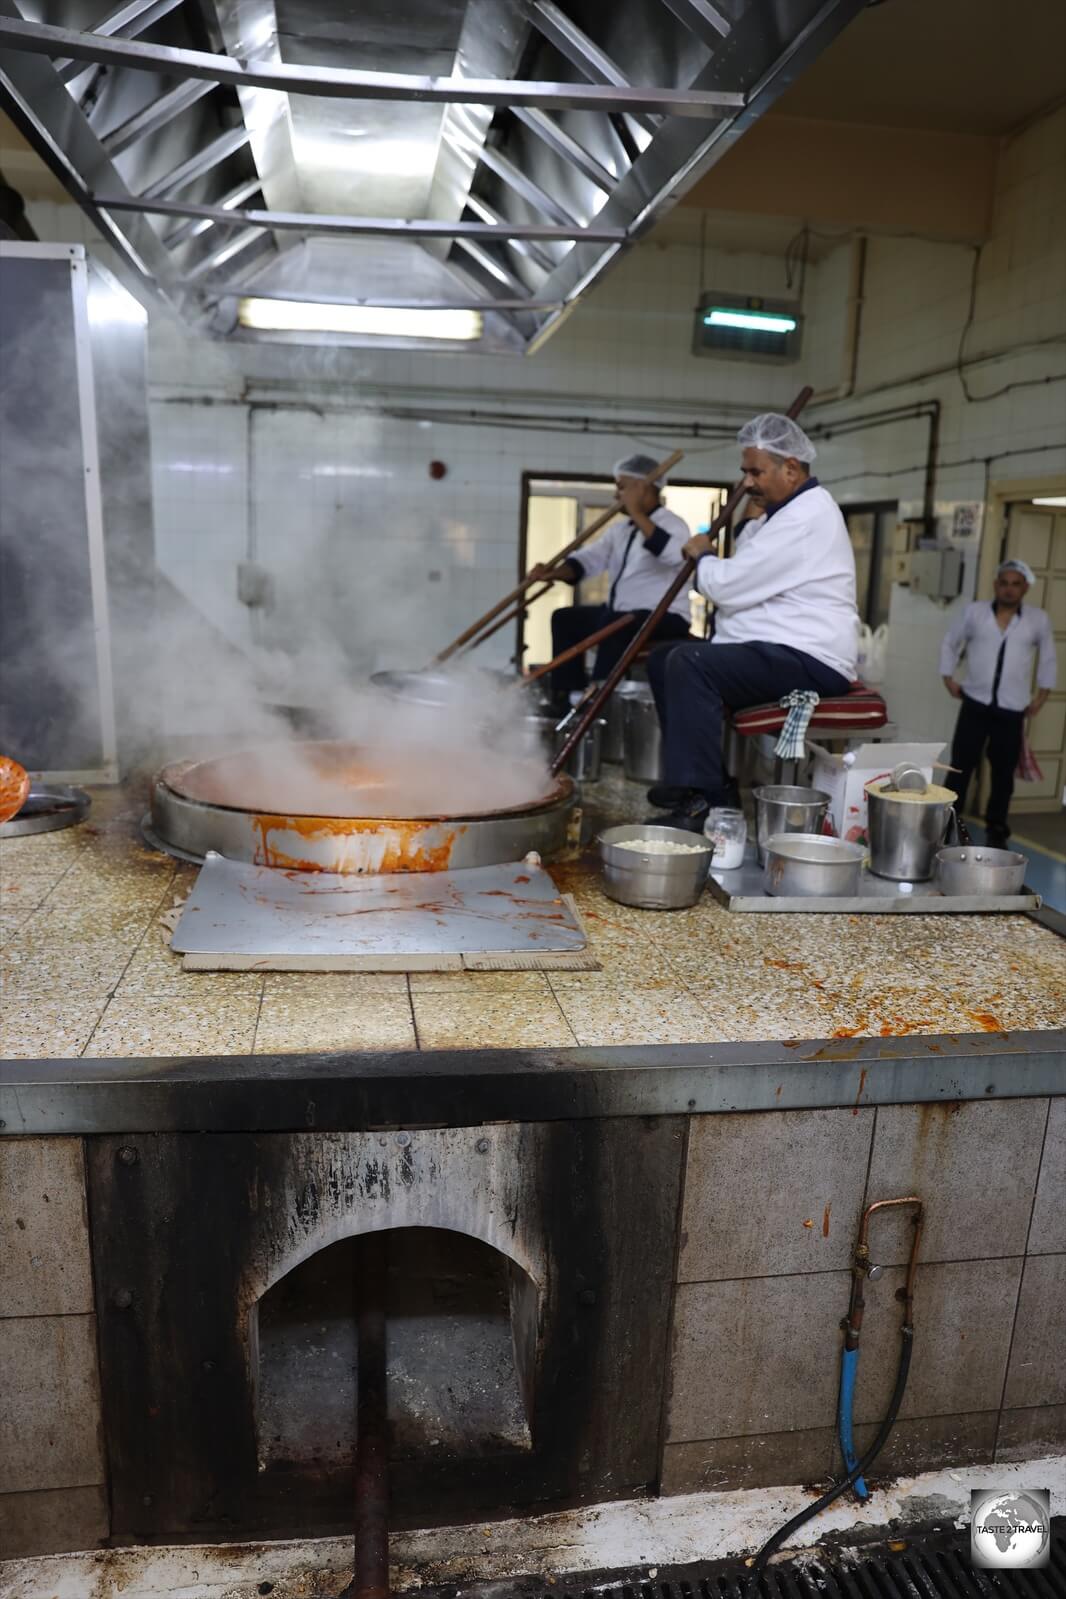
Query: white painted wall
339, 504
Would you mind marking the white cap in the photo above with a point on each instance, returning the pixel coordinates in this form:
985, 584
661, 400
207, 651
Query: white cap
637, 466
1017, 566
778, 434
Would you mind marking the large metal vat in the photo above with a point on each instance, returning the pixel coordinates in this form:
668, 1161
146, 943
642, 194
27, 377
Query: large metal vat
223, 804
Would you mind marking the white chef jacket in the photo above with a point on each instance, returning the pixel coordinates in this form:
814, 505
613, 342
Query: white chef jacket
640, 569
978, 633
791, 581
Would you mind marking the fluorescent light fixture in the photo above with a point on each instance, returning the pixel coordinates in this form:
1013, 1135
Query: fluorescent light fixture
313, 316
755, 321
1051, 499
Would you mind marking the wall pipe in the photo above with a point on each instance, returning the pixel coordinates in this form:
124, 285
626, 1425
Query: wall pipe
852, 327
852, 1325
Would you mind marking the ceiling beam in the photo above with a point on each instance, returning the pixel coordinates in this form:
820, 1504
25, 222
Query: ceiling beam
211, 155
375, 227
241, 289
155, 115
572, 42
557, 139
702, 19
341, 83
126, 22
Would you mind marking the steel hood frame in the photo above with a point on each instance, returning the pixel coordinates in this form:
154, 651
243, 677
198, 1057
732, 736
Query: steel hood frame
539, 183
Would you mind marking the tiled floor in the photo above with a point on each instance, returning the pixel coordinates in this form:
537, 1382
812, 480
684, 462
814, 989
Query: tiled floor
86, 970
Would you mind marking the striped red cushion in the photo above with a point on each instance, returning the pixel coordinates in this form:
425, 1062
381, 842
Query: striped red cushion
863, 708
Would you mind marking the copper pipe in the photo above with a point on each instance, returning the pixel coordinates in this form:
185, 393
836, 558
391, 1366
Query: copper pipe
471, 634
371, 1579
683, 578
861, 1265
579, 649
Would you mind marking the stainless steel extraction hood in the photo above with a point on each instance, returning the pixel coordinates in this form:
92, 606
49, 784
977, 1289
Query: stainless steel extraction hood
486, 156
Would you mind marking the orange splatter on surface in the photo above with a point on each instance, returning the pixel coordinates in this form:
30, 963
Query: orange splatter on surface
406, 848
858, 1096
986, 1021
809, 1223
825, 1219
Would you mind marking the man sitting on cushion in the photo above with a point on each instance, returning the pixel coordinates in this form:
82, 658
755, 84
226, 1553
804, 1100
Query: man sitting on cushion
785, 618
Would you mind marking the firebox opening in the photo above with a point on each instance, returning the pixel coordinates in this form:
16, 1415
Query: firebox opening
462, 1349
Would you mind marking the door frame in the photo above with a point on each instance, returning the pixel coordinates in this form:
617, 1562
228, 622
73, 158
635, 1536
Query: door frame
528, 478
1002, 494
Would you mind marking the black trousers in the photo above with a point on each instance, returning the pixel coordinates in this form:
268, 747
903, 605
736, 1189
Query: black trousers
695, 683
572, 623
987, 729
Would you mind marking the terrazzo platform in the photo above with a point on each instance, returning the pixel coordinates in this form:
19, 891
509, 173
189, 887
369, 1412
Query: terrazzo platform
85, 969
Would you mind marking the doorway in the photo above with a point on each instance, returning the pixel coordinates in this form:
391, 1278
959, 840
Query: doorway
1027, 519
555, 508
870, 528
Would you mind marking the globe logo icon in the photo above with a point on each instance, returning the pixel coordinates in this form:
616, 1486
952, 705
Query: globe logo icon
1010, 1531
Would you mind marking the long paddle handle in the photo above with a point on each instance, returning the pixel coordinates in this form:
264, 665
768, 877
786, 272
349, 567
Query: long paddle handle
681, 581
556, 560
585, 644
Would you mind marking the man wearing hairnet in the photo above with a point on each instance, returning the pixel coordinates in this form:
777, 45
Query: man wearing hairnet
1000, 640
641, 556
784, 616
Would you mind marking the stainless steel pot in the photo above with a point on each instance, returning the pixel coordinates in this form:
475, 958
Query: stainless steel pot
780, 808
642, 735
977, 870
905, 835
812, 866
614, 713
586, 761
654, 882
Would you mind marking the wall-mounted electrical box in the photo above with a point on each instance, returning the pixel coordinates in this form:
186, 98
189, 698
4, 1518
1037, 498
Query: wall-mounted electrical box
936, 573
747, 327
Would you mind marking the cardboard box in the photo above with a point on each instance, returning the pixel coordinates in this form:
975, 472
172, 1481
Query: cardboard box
844, 778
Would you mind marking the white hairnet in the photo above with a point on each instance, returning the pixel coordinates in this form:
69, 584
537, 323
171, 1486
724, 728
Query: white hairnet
778, 434
1017, 566
637, 466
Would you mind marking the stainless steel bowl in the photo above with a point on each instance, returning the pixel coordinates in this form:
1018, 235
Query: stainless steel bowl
811, 866
977, 870
654, 882
781, 808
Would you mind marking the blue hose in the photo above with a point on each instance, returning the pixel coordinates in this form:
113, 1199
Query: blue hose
849, 1365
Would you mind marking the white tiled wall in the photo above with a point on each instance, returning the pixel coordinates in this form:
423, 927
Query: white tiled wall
339, 505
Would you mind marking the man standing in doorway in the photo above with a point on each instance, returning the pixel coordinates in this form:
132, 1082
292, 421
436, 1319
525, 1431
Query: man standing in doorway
1000, 639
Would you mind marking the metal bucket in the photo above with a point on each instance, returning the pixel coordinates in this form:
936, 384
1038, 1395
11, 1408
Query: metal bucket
904, 835
783, 808
643, 738
586, 761
614, 746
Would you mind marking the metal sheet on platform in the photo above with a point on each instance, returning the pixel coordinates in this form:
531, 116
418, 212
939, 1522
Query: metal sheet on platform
742, 890
259, 917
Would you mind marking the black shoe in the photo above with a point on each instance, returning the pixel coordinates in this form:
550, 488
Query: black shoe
689, 815
996, 837
674, 799
667, 795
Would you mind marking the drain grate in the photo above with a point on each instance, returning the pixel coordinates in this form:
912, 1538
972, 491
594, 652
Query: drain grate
927, 1565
